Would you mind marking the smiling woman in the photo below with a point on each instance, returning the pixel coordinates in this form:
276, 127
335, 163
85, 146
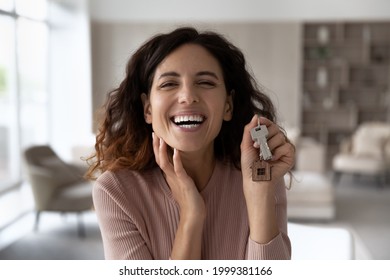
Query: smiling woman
174, 155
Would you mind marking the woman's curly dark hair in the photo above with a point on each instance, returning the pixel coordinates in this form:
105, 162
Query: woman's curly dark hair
124, 139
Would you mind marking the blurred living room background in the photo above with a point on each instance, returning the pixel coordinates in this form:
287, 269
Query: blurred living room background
325, 65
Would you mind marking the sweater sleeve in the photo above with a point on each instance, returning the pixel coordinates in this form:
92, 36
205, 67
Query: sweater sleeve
121, 238
279, 248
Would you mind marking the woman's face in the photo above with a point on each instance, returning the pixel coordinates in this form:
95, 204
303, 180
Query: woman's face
188, 100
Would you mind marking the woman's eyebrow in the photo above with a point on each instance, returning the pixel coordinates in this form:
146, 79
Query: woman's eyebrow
169, 74
208, 73
200, 73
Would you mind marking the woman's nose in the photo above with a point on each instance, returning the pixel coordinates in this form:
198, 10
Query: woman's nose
188, 95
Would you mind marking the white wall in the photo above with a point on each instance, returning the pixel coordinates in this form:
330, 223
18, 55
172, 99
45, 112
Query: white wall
273, 51
70, 76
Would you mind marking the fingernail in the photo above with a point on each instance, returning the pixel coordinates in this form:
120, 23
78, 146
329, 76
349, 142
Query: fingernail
153, 135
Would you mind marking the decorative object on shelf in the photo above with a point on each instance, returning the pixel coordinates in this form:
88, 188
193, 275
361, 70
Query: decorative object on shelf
318, 53
323, 35
327, 103
380, 54
322, 77
366, 34
323, 53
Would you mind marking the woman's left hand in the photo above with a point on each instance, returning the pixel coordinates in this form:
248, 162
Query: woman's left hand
283, 152
260, 195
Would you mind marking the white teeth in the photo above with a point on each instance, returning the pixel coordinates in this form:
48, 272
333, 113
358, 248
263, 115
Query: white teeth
194, 118
189, 125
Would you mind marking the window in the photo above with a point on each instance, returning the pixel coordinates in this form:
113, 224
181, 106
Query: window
32, 69
8, 116
32, 9
7, 5
23, 83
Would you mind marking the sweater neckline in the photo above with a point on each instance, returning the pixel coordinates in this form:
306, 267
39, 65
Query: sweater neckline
211, 184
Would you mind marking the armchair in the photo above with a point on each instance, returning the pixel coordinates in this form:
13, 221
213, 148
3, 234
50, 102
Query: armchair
367, 152
56, 185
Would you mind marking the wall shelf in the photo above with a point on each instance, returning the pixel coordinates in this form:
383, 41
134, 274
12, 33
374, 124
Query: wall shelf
345, 79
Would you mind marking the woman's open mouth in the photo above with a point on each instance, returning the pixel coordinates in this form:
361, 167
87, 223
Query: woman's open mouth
188, 121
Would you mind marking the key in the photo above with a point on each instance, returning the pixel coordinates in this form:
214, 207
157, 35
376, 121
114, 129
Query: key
259, 134
261, 169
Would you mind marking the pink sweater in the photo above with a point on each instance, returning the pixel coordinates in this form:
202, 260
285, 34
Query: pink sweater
138, 217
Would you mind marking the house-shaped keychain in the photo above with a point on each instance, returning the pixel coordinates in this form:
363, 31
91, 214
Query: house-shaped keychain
261, 170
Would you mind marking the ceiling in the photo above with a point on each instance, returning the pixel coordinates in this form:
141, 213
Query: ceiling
237, 10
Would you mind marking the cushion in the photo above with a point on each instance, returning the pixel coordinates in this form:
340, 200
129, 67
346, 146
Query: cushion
369, 140
64, 175
76, 198
358, 164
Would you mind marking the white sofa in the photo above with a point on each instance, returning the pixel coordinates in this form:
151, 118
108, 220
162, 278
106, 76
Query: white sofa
311, 196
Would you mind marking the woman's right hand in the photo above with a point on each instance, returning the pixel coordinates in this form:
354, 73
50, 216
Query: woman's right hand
183, 188
188, 239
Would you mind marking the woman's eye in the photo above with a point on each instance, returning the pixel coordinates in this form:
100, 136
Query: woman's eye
206, 84
167, 85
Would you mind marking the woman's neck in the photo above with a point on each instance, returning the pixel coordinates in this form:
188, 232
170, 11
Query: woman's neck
199, 166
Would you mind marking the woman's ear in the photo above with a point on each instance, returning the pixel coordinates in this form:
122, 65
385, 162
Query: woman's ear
147, 109
228, 113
